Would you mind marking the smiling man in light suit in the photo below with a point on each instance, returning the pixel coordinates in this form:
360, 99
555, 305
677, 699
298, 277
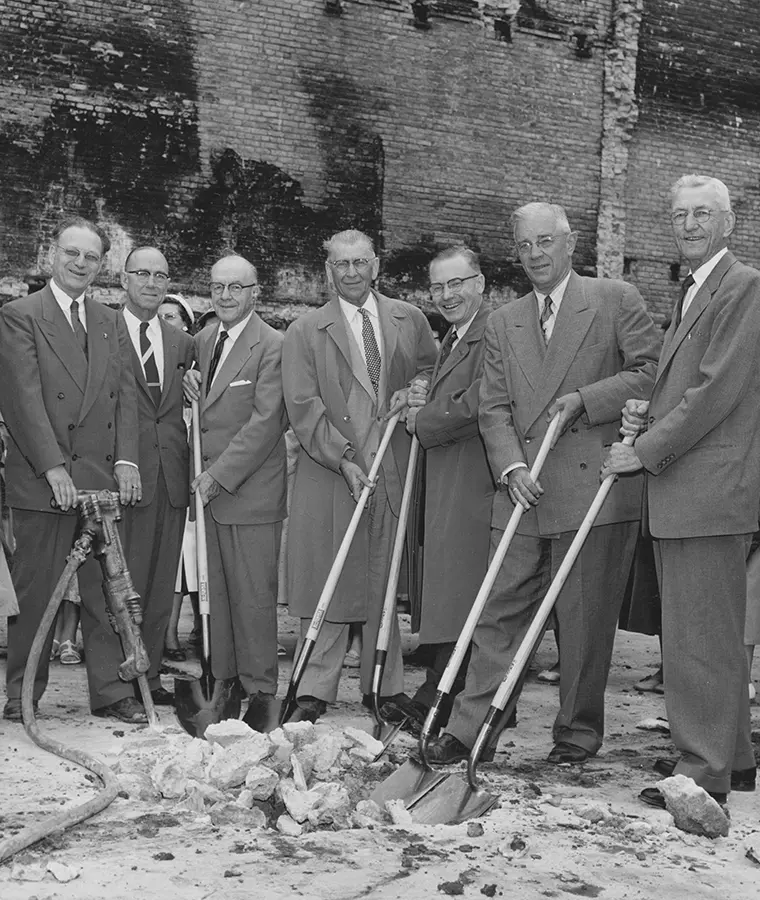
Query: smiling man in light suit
244, 482
573, 346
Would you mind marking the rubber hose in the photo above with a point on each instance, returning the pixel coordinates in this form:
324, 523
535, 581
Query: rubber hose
110, 789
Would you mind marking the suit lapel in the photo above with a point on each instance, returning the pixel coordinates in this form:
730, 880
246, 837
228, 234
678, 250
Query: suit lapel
462, 350
390, 318
333, 324
61, 338
523, 334
239, 354
98, 353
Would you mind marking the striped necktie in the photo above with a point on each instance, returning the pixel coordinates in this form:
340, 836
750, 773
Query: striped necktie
546, 314
148, 360
447, 346
76, 323
686, 284
371, 350
215, 357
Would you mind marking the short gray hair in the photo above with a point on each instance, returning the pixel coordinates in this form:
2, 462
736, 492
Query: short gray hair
529, 209
469, 256
350, 236
698, 181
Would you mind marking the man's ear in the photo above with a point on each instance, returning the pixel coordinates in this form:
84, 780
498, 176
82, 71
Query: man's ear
572, 240
123, 278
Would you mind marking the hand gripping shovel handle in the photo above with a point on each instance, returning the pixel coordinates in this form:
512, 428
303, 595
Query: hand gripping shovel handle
535, 632
463, 642
332, 579
200, 537
389, 603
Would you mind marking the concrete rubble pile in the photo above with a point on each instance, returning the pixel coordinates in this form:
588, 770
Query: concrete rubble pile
297, 778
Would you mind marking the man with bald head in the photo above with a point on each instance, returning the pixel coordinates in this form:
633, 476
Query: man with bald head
153, 528
244, 481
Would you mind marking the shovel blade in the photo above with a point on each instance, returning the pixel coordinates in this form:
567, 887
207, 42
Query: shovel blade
451, 803
409, 783
204, 701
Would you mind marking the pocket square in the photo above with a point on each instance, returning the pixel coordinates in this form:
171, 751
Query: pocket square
239, 383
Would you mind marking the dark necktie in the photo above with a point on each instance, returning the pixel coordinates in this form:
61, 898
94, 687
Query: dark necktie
685, 285
76, 323
546, 314
371, 351
215, 357
447, 346
148, 360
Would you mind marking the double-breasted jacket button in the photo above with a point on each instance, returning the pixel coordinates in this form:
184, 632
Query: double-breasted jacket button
61, 395
583, 466
71, 427
110, 424
113, 394
528, 440
346, 418
651, 419
74, 457
109, 458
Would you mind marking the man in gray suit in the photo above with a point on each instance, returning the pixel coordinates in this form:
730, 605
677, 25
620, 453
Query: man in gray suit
701, 453
573, 346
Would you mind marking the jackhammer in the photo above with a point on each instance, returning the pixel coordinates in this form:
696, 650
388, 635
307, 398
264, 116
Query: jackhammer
99, 511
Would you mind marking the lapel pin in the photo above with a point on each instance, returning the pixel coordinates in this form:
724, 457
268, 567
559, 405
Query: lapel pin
105, 335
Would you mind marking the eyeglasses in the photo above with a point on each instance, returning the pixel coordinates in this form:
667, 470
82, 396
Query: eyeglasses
454, 285
92, 259
343, 265
700, 216
544, 244
143, 276
235, 289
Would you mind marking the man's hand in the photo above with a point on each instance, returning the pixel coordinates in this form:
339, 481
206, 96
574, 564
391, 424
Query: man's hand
411, 419
355, 478
207, 486
569, 408
129, 482
64, 492
418, 393
620, 459
399, 403
523, 489
634, 417
191, 385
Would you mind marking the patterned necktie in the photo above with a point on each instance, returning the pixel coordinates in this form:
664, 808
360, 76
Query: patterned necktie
371, 351
546, 314
215, 357
76, 323
447, 346
148, 360
685, 285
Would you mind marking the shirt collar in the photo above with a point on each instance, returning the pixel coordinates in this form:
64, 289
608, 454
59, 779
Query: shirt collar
701, 275
557, 294
64, 301
350, 310
133, 323
461, 329
236, 330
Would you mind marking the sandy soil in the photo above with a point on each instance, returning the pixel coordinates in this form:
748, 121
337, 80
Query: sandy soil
534, 845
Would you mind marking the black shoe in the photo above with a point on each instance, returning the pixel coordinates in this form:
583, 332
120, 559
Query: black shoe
654, 797
741, 779
562, 752
128, 710
401, 707
173, 655
382, 700
12, 710
162, 697
447, 750
308, 709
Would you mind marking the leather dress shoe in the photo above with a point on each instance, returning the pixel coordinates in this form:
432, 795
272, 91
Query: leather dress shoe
401, 707
12, 710
126, 710
741, 779
562, 752
308, 709
447, 750
654, 797
162, 697
175, 654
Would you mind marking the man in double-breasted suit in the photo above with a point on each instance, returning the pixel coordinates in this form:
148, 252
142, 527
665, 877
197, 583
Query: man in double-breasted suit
701, 453
153, 528
346, 369
244, 482
68, 397
572, 346
458, 486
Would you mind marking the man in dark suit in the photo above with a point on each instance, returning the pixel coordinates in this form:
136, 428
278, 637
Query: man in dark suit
701, 453
68, 397
345, 368
458, 487
573, 346
244, 482
153, 528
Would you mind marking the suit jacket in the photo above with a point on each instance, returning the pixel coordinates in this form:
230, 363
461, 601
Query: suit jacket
61, 407
459, 490
604, 345
702, 447
243, 424
318, 377
162, 432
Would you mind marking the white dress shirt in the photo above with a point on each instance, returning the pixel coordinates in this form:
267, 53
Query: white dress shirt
557, 294
461, 329
700, 277
233, 334
64, 301
154, 336
356, 322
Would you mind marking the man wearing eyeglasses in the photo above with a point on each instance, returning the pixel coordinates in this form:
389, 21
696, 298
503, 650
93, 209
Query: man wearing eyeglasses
573, 346
244, 482
153, 528
346, 369
68, 396
701, 449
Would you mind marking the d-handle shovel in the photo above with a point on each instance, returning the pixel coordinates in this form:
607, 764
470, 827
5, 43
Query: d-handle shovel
384, 731
267, 719
204, 701
414, 780
467, 801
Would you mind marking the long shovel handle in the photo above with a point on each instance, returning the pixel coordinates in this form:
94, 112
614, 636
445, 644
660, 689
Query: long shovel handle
335, 572
535, 632
468, 629
201, 551
389, 603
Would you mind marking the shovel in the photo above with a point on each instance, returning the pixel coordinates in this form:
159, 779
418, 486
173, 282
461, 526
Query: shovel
266, 717
457, 801
384, 731
204, 701
414, 780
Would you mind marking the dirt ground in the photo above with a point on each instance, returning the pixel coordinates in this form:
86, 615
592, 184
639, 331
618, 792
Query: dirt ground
536, 844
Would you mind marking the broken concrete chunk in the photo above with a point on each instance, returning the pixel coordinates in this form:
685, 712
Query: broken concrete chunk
693, 809
288, 826
333, 806
170, 779
228, 732
371, 810
658, 724
398, 812
261, 782
232, 814
245, 799
229, 767
299, 733
592, 810
194, 801
362, 739
139, 786
752, 848
61, 872
299, 777
298, 803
